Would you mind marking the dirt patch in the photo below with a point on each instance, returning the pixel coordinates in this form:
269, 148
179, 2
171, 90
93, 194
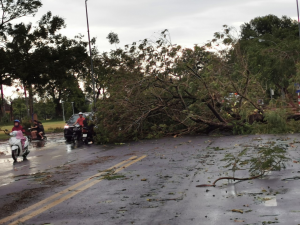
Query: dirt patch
20, 198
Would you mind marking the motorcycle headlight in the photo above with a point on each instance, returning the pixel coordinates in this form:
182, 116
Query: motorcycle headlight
66, 126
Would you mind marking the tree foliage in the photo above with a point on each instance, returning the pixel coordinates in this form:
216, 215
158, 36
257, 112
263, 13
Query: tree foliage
14, 9
156, 88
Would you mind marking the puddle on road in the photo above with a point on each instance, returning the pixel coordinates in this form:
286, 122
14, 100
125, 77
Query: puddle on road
266, 200
35, 146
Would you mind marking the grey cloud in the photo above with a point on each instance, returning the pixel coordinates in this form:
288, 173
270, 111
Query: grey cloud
189, 21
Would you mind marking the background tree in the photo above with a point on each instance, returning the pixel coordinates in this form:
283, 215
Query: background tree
45, 109
271, 45
19, 108
14, 9
45, 59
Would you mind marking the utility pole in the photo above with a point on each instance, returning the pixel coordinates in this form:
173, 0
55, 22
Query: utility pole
2, 102
298, 16
73, 107
92, 68
62, 102
26, 101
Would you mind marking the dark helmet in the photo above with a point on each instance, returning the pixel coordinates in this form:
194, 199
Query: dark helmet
17, 121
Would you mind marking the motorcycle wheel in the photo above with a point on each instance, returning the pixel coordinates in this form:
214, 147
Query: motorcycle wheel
14, 155
75, 140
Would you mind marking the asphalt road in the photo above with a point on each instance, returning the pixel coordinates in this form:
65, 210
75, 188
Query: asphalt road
147, 182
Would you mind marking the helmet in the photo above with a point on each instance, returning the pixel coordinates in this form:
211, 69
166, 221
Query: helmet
18, 121
80, 113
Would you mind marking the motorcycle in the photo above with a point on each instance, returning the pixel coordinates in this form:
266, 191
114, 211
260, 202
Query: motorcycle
77, 133
81, 134
16, 146
33, 137
86, 136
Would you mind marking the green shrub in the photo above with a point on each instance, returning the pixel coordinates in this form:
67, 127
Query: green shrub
26, 123
58, 130
276, 121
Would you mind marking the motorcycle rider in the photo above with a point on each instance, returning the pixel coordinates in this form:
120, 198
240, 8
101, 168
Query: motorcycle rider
35, 131
17, 126
80, 122
80, 119
41, 130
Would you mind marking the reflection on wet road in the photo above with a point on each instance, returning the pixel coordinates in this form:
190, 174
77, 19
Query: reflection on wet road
44, 155
160, 189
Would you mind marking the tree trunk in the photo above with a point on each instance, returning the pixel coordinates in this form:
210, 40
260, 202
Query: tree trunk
26, 100
58, 107
11, 111
2, 102
98, 93
289, 98
30, 102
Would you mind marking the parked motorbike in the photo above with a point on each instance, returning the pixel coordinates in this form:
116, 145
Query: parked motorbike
16, 146
35, 136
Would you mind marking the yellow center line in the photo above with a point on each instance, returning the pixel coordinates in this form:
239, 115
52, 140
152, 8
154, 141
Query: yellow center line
17, 214
58, 201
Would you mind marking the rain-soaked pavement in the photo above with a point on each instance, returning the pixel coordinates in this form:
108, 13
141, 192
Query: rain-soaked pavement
65, 184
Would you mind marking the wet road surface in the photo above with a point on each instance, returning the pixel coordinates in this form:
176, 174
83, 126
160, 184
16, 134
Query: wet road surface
148, 182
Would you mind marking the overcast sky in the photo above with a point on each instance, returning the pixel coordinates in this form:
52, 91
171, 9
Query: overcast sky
189, 22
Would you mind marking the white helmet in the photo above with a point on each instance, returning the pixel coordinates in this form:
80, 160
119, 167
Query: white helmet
80, 113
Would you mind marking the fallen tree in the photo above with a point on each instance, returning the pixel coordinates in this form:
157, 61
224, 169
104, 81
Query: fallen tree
156, 88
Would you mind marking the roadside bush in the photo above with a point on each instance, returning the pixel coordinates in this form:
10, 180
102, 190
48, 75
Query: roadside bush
276, 121
5, 119
55, 130
26, 123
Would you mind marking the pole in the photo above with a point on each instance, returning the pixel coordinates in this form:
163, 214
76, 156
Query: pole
92, 68
298, 16
26, 100
73, 107
62, 102
2, 102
